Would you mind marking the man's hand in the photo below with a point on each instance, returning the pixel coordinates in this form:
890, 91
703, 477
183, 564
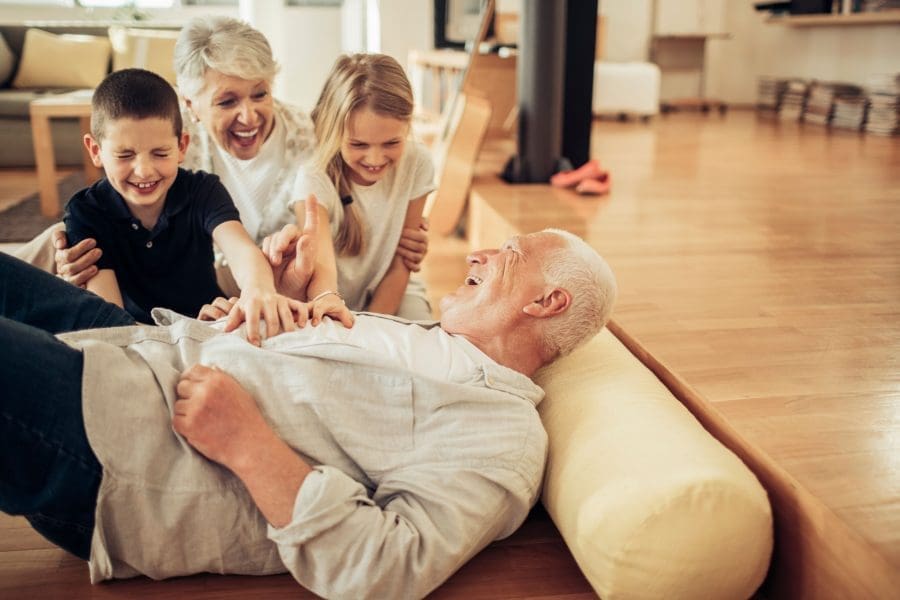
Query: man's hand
217, 416
413, 245
77, 264
292, 253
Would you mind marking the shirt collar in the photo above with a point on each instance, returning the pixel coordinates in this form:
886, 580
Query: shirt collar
176, 200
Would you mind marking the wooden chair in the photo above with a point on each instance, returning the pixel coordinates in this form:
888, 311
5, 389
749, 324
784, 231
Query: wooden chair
467, 127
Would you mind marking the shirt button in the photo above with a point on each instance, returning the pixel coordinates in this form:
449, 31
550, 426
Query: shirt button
150, 244
134, 226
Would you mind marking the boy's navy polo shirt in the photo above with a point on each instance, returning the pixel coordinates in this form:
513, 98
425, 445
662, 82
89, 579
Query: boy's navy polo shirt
171, 266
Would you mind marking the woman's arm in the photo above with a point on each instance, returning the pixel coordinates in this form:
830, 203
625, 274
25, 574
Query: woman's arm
389, 293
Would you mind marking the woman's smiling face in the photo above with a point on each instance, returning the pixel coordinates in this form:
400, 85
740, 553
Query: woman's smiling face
238, 113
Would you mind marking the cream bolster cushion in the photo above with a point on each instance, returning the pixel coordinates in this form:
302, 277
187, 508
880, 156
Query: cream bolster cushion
62, 61
649, 503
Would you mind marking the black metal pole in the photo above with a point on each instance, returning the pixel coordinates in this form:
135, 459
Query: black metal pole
581, 41
540, 74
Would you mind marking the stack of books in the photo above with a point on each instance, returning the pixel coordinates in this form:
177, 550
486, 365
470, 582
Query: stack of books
884, 105
850, 111
820, 104
770, 92
793, 100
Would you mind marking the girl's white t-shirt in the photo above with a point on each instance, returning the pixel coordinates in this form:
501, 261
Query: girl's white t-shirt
382, 210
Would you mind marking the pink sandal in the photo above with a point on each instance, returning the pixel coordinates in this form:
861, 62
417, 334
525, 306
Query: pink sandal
595, 186
589, 170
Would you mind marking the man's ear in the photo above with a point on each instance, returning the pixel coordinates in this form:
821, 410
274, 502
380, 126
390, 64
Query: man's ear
183, 144
555, 302
93, 148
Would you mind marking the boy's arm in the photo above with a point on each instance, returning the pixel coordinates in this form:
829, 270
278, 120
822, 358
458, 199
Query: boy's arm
389, 293
253, 275
105, 285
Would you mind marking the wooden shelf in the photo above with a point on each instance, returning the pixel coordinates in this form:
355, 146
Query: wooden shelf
885, 17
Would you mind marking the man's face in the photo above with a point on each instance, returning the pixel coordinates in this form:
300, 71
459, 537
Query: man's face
500, 283
238, 113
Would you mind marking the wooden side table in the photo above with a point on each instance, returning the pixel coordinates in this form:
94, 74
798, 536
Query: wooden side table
71, 104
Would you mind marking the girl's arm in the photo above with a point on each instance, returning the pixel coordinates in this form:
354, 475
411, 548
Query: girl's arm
389, 293
324, 277
105, 285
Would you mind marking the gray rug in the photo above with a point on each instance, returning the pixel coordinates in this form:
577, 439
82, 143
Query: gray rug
24, 220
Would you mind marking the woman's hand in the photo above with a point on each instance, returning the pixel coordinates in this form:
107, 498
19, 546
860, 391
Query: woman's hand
77, 264
413, 245
219, 309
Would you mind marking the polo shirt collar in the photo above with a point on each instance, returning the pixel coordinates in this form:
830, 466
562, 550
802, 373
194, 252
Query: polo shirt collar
176, 201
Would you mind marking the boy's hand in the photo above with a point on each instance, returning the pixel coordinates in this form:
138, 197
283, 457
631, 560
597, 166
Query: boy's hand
292, 253
77, 264
279, 312
413, 245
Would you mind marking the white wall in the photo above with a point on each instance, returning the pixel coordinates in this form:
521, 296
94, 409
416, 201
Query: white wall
836, 53
306, 40
756, 48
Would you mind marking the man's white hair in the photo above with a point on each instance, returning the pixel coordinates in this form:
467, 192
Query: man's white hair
580, 270
224, 44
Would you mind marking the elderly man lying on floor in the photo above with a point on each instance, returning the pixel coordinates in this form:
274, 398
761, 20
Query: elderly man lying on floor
369, 462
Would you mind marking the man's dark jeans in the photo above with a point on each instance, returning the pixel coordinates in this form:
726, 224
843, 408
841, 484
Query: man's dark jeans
48, 472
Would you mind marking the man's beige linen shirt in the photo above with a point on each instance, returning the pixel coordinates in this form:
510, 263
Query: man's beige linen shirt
424, 451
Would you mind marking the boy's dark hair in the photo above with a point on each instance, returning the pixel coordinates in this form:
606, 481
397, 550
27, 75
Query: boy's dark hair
133, 94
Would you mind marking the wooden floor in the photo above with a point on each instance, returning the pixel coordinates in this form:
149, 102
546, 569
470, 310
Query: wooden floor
760, 262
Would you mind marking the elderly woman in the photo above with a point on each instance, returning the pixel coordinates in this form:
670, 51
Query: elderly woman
254, 143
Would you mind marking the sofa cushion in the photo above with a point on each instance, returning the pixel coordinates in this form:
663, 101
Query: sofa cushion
15, 103
650, 504
7, 62
151, 49
62, 61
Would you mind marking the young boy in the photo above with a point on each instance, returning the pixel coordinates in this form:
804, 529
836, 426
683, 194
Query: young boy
157, 222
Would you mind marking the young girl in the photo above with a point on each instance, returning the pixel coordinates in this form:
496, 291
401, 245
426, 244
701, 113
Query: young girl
370, 181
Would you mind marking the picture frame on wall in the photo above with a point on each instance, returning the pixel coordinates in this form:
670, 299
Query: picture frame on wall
456, 22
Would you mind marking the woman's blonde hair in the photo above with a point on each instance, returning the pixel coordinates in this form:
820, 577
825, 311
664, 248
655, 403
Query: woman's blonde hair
373, 81
229, 46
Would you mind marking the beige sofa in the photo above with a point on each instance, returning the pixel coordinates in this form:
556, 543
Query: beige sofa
49, 58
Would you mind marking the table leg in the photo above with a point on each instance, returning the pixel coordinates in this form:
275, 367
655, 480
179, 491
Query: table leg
45, 164
91, 173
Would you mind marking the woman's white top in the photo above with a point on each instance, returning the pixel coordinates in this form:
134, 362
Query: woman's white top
382, 210
260, 186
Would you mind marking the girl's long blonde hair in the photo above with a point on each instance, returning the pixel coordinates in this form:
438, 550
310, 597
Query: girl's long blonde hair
373, 81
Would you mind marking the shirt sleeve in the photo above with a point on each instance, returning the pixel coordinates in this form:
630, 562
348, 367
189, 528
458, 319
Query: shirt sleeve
82, 222
423, 171
311, 181
217, 202
421, 526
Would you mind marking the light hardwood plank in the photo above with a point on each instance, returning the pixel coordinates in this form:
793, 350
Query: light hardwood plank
760, 262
